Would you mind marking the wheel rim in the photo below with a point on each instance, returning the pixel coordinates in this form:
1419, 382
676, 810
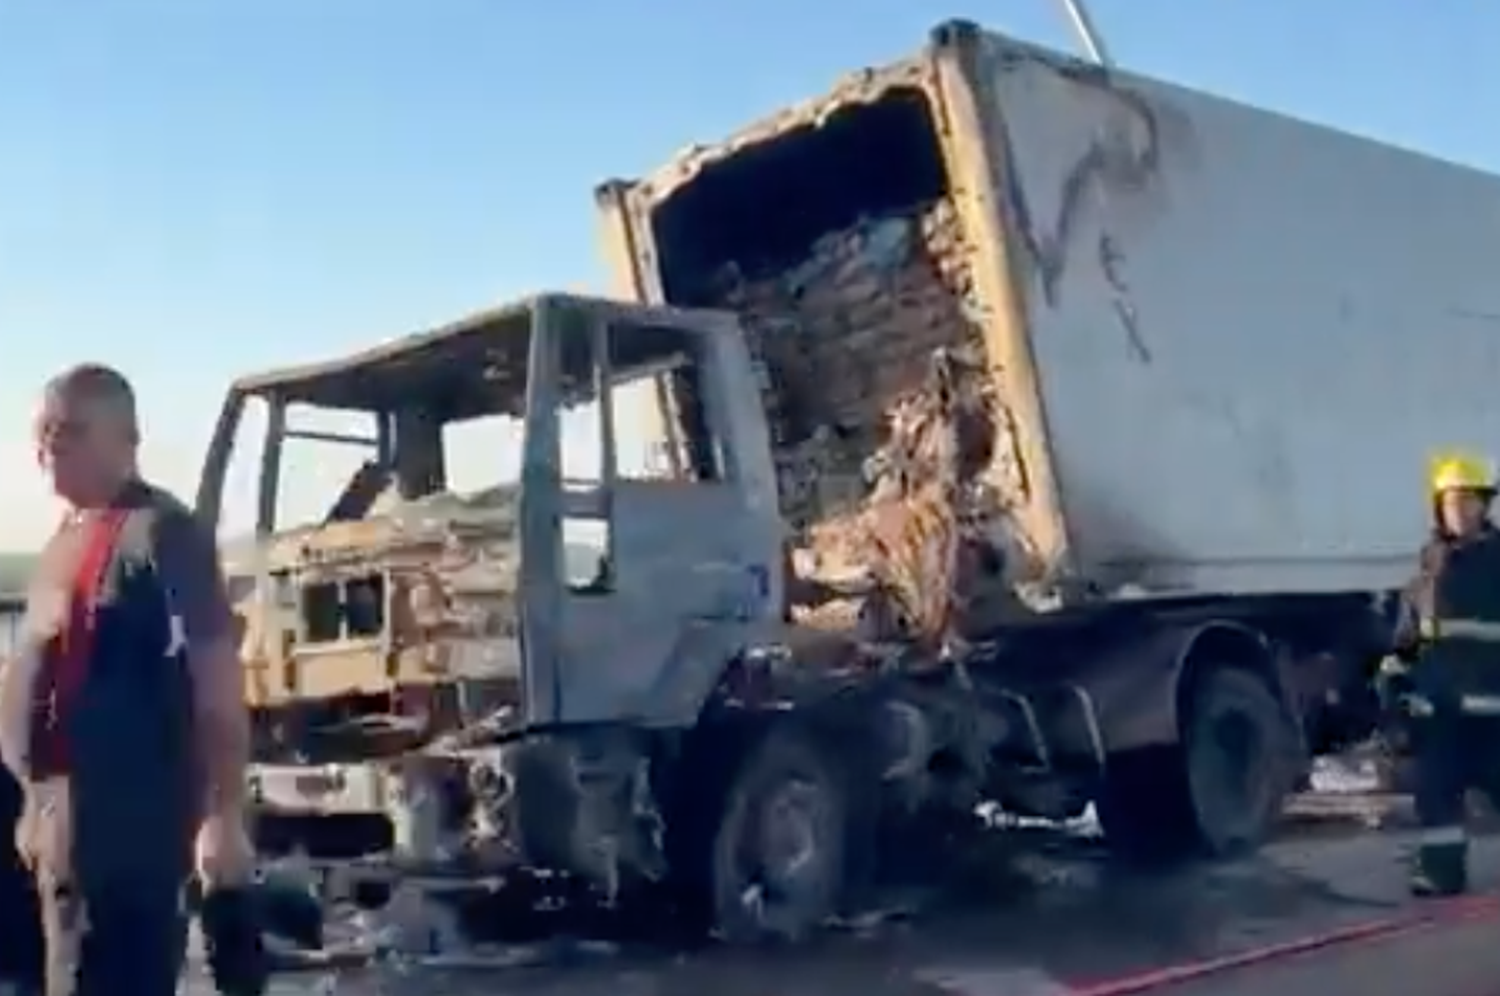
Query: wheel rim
781, 856
1229, 777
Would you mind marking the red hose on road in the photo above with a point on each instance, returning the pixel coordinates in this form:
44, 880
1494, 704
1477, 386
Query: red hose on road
1433, 913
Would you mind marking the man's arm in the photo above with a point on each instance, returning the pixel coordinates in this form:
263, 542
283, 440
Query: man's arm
187, 560
15, 718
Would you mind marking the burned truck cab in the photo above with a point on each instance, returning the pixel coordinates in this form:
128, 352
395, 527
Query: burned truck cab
508, 574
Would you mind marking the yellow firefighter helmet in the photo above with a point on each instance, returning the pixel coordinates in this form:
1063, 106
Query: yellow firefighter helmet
1463, 472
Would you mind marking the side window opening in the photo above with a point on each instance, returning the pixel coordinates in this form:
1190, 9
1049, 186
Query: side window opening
483, 454
586, 537
662, 432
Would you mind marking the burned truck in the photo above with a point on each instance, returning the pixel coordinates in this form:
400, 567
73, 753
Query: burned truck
1167, 333
995, 429
630, 682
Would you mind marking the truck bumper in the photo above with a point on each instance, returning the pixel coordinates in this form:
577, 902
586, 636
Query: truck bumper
559, 804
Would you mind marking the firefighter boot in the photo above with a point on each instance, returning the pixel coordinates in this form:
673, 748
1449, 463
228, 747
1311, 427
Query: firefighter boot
1440, 870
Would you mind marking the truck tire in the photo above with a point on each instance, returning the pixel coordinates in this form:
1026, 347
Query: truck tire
1216, 794
777, 862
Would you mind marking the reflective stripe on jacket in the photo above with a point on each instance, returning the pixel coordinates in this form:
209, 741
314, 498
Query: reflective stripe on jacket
1482, 630
1454, 624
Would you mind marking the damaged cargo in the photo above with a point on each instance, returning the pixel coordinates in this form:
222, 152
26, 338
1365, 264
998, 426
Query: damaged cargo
894, 458
944, 450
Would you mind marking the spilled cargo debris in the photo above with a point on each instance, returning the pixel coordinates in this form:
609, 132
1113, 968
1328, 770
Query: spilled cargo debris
887, 424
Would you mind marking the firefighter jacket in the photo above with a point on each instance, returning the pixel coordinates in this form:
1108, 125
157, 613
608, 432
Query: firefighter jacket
1450, 625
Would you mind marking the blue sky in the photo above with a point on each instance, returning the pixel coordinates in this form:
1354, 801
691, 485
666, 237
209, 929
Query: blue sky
195, 188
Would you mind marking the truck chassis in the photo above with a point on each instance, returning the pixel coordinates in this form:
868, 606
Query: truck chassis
803, 786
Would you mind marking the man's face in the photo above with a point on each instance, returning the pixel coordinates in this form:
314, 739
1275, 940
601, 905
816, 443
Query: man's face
1463, 511
83, 444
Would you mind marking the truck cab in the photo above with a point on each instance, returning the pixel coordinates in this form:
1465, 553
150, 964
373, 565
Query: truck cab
589, 580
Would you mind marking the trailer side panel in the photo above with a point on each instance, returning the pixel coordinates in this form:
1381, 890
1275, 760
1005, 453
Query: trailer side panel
1250, 331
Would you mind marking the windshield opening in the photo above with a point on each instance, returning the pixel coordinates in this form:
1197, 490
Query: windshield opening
449, 421
351, 440
341, 465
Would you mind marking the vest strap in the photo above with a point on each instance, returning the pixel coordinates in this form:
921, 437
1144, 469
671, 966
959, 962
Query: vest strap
67, 666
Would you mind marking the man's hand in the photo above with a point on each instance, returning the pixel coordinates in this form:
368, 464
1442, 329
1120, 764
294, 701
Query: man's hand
44, 831
223, 853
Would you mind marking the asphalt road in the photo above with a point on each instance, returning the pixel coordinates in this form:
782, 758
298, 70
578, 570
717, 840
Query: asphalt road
1452, 960
1044, 925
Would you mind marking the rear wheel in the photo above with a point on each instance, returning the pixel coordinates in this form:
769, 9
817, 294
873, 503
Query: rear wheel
1242, 761
1217, 793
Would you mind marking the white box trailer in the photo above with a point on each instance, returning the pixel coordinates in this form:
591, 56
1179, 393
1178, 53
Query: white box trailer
1226, 341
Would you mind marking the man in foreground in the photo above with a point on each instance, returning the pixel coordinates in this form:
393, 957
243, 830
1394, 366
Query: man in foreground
123, 716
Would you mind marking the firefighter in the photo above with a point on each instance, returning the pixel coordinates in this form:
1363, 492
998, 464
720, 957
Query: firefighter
1444, 672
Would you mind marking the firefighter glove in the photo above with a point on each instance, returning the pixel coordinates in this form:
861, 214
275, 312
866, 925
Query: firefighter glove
1393, 683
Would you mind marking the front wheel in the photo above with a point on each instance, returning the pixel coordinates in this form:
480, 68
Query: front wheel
778, 860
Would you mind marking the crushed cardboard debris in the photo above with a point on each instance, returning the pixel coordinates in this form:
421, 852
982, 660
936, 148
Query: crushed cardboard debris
892, 444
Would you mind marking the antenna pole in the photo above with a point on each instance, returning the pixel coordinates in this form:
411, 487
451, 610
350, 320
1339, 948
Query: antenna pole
1088, 34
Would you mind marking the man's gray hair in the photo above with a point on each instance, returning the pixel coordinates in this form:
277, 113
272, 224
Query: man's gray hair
96, 384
